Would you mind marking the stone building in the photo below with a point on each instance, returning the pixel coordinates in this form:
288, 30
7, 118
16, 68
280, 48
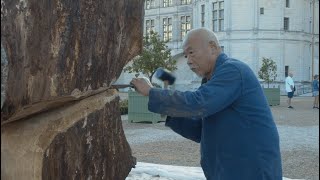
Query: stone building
247, 29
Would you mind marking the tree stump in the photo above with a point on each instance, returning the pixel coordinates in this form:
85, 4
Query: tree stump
60, 119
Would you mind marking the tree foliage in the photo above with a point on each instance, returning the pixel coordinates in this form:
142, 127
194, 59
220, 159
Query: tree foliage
155, 54
268, 70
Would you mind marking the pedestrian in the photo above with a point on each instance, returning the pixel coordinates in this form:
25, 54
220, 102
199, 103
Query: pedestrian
315, 91
290, 88
228, 115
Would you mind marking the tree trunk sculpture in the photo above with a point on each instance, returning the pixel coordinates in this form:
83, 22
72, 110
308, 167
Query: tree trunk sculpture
60, 119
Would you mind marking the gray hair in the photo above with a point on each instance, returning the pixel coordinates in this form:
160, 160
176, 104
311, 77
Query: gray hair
206, 34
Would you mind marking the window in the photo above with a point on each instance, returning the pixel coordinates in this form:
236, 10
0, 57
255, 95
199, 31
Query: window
202, 15
149, 26
167, 3
218, 16
185, 2
150, 4
222, 48
286, 71
221, 16
286, 24
215, 16
287, 3
147, 4
185, 25
261, 10
167, 29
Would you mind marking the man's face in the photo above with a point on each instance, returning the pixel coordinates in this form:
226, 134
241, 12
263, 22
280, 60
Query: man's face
200, 56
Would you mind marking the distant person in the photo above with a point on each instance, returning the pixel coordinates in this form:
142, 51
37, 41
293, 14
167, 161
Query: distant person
228, 114
290, 89
315, 91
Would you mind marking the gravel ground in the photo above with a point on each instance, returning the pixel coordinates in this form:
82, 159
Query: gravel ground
299, 139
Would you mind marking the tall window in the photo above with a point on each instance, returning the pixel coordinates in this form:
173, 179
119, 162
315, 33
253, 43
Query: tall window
202, 15
185, 1
148, 4
286, 71
221, 16
152, 3
286, 23
215, 16
167, 3
185, 25
167, 29
262, 10
287, 3
218, 16
149, 26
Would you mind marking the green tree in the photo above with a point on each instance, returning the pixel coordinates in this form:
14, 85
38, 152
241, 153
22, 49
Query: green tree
268, 70
155, 54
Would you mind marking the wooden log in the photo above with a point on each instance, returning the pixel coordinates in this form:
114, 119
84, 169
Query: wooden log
84, 140
60, 119
59, 49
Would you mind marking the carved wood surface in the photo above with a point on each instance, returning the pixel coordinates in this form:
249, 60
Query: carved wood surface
84, 140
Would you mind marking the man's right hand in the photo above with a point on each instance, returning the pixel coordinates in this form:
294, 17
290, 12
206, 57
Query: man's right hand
142, 85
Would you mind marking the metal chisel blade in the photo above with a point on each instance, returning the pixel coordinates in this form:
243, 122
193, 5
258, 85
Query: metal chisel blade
120, 86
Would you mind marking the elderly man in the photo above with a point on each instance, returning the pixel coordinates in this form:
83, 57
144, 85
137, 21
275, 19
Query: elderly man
228, 115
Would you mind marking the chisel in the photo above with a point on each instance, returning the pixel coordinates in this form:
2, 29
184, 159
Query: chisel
121, 86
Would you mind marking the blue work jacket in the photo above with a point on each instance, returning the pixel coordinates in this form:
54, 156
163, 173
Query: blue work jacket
230, 117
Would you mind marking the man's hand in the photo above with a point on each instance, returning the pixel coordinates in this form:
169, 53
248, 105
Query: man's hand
142, 85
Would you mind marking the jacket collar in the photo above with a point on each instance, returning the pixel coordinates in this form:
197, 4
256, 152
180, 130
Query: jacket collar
220, 60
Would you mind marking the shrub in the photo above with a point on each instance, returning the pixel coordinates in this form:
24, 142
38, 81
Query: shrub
155, 54
268, 70
124, 106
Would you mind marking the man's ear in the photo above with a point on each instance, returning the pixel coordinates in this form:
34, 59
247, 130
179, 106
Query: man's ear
213, 46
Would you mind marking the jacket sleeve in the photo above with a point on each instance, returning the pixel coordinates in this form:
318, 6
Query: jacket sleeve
215, 95
186, 127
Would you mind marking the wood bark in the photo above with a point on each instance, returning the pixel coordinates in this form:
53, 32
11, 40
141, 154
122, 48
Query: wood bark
58, 50
60, 119
4, 74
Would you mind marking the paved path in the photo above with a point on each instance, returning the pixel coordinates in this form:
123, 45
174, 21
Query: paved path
299, 137
299, 140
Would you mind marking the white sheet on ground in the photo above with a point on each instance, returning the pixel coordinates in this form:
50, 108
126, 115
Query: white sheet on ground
149, 171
